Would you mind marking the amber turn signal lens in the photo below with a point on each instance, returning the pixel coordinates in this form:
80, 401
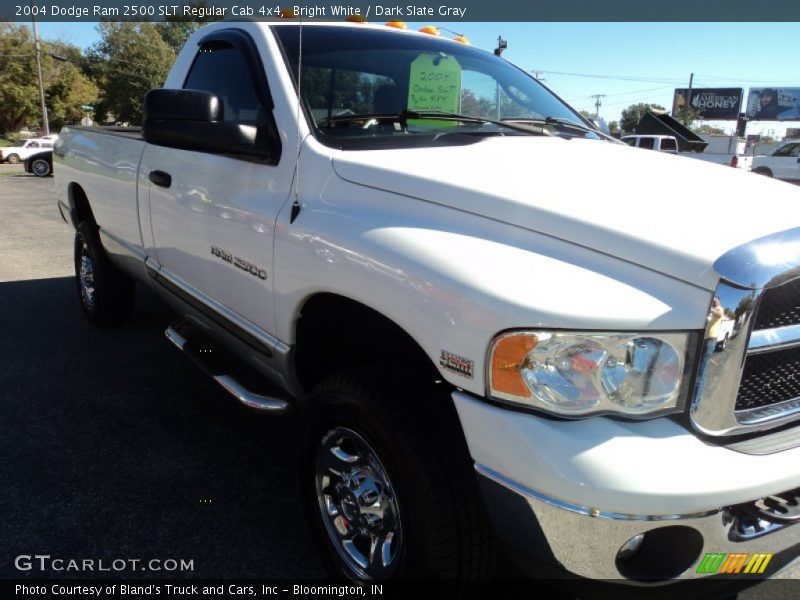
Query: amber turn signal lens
507, 359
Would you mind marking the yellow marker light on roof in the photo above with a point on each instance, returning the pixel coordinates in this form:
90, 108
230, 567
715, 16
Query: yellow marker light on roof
396, 24
356, 19
287, 13
430, 29
462, 40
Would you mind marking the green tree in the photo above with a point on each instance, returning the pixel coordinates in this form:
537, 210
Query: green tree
613, 128
66, 86
687, 115
19, 92
708, 129
130, 59
175, 32
631, 115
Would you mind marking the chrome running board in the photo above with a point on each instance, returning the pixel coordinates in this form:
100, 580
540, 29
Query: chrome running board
205, 354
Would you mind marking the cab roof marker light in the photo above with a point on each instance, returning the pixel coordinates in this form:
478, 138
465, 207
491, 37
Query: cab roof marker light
356, 19
396, 24
460, 37
430, 30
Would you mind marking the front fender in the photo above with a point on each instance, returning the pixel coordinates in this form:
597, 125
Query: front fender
452, 280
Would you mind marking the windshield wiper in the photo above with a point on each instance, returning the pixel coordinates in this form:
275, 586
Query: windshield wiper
565, 124
404, 116
448, 116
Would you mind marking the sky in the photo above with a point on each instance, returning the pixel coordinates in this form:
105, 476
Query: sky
628, 62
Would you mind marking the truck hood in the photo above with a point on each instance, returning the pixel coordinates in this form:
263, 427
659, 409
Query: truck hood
672, 214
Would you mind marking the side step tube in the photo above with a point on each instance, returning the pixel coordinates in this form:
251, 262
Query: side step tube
228, 383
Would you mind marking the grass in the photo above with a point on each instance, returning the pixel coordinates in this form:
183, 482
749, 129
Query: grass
14, 170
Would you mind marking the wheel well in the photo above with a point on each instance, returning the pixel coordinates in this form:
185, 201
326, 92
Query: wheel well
79, 203
336, 334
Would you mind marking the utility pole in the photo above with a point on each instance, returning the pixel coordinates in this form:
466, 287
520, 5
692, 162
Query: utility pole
537, 75
597, 104
45, 121
689, 93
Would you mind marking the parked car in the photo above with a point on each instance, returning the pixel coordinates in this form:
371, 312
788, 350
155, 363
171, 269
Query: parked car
477, 343
16, 154
40, 164
783, 163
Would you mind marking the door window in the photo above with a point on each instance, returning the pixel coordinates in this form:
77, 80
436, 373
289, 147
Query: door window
219, 68
785, 150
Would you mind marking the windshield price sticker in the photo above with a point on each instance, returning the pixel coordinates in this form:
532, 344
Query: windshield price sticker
435, 84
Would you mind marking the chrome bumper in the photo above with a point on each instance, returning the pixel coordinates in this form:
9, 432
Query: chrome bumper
586, 542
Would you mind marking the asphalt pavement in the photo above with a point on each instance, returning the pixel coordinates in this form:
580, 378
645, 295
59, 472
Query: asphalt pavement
114, 445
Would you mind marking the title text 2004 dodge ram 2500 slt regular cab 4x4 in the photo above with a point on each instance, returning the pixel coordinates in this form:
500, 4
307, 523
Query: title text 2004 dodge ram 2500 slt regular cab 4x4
484, 341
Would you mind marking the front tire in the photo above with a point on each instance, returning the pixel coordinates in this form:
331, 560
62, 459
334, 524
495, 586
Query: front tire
40, 167
389, 483
106, 294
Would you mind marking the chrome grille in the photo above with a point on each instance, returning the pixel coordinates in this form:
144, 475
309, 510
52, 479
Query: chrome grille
779, 306
769, 378
770, 381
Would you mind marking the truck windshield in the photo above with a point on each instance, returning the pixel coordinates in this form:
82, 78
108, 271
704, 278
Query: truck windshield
367, 87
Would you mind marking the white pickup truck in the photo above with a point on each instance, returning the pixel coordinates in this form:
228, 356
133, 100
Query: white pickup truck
481, 346
722, 154
17, 154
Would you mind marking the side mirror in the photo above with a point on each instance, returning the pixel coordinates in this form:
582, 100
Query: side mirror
193, 120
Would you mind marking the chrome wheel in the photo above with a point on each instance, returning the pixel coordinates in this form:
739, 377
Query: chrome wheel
358, 505
86, 275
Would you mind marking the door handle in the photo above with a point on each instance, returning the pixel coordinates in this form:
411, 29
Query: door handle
161, 178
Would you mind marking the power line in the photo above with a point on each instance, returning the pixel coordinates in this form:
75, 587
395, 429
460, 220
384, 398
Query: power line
671, 80
617, 77
629, 93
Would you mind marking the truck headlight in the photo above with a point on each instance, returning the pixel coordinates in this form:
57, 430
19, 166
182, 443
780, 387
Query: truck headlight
583, 373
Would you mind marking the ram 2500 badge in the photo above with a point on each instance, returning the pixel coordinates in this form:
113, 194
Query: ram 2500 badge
487, 336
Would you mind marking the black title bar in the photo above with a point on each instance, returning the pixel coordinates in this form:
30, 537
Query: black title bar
421, 11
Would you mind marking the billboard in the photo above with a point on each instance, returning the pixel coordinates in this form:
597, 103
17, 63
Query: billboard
773, 104
718, 104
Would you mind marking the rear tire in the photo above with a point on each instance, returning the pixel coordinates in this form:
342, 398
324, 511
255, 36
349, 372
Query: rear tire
379, 434
763, 171
106, 294
40, 167
12, 159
